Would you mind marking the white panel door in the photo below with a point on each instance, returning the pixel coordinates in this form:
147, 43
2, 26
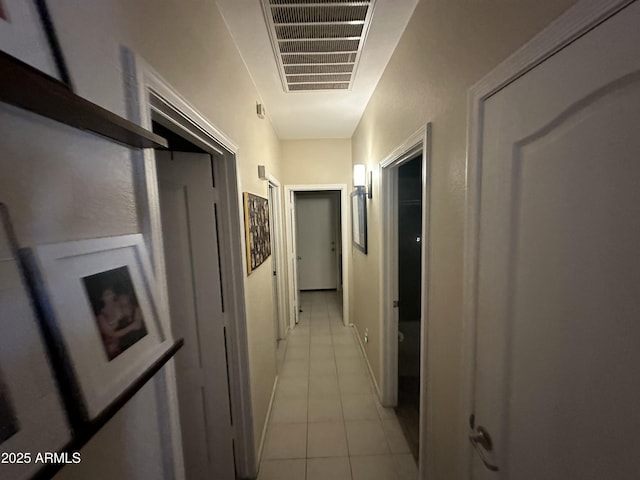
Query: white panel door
557, 382
293, 260
187, 201
274, 219
316, 242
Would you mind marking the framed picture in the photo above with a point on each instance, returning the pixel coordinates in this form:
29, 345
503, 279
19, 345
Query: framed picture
27, 33
256, 228
32, 415
359, 220
101, 294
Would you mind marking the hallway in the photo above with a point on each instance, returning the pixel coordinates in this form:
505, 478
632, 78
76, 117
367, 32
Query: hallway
326, 421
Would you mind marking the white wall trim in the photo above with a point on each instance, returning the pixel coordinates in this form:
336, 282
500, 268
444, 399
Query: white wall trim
389, 288
149, 94
366, 358
281, 256
575, 22
265, 427
344, 213
406, 149
419, 141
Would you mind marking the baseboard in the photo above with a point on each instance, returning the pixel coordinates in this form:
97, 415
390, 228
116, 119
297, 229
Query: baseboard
266, 422
366, 358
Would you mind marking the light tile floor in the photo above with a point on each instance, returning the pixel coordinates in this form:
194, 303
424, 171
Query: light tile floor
326, 422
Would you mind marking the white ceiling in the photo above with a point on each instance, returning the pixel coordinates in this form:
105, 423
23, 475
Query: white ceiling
333, 114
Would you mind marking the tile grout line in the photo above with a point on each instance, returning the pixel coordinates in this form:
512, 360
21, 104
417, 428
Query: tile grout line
306, 454
344, 420
379, 417
323, 323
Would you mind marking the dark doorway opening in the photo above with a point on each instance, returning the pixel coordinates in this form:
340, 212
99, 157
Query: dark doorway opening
409, 289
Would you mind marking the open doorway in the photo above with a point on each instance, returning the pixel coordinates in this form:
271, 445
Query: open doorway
404, 179
409, 204
318, 246
318, 235
316, 240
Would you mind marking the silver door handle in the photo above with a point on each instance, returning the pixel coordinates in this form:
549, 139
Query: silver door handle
481, 441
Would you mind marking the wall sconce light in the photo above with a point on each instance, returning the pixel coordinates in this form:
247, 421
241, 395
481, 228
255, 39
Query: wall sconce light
363, 180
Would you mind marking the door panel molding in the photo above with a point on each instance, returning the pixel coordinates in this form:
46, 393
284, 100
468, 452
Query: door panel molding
191, 239
574, 23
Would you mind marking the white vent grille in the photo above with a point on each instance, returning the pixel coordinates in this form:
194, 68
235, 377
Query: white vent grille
317, 43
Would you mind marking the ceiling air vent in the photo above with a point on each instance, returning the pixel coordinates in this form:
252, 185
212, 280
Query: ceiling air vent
317, 44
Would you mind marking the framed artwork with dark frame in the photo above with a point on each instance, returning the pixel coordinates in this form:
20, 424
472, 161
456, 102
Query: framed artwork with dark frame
32, 414
256, 228
359, 220
101, 302
28, 34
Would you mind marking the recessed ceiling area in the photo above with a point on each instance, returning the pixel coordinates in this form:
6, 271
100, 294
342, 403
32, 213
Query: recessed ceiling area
295, 110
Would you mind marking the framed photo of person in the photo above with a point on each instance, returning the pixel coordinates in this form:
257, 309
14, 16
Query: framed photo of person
102, 300
32, 415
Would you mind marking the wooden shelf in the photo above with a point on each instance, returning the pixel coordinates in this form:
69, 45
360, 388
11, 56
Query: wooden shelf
26, 87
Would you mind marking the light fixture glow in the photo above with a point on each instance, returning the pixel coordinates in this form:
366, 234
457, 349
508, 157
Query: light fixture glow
359, 175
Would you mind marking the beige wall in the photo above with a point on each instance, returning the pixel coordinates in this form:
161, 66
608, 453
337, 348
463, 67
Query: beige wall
447, 47
316, 161
61, 184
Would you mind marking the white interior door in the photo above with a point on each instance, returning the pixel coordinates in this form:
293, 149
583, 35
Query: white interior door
187, 200
316, 242
293, 260
557, 382
274, 220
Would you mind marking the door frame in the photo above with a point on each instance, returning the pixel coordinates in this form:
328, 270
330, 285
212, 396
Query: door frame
290, 191
151, 97
575, 22
418, 142
277, 231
